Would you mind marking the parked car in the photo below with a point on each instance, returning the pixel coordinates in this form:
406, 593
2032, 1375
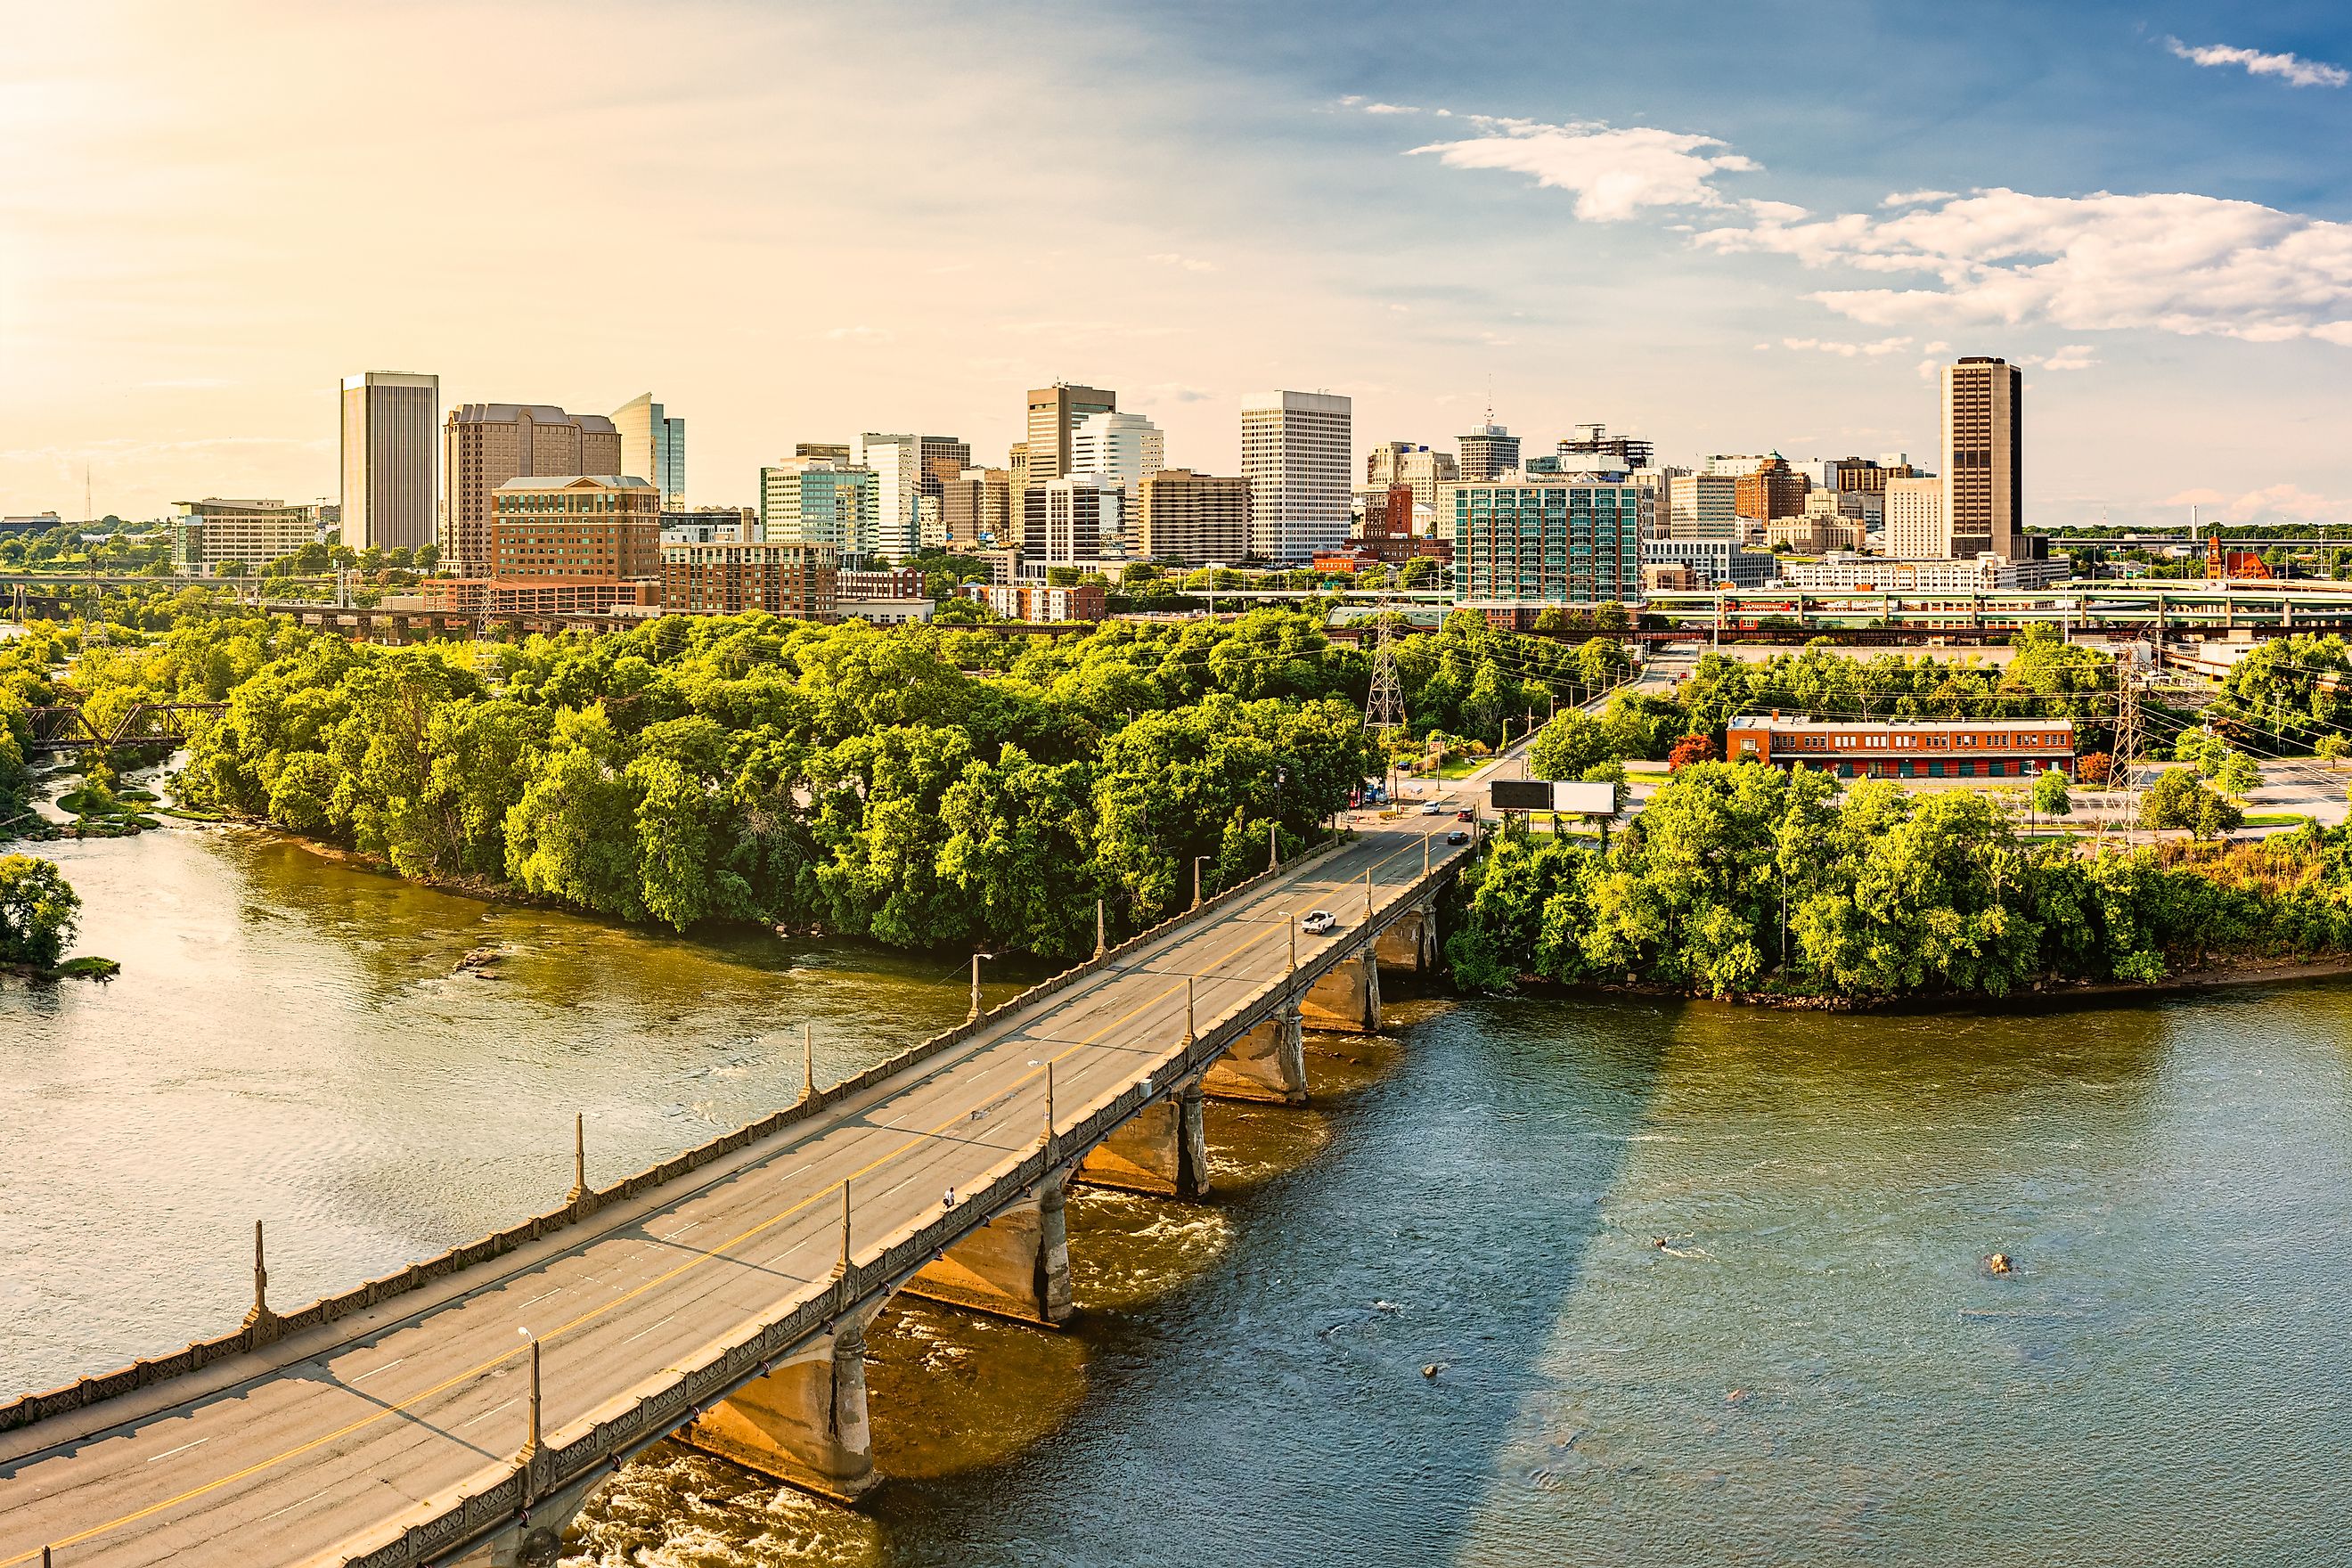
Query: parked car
1457, 836
1465, 815
1433, 809
1316, 923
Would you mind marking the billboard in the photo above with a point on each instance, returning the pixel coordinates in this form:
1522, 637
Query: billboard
1565, 796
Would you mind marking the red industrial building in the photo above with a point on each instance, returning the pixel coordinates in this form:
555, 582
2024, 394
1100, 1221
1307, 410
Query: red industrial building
1905, 748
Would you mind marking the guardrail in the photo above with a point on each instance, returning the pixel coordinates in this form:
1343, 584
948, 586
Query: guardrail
634, 1423
146, 1372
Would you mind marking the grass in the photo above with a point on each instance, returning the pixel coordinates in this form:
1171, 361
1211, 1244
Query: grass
2277, 819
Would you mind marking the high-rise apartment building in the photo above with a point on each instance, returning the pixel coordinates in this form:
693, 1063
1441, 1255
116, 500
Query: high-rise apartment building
1916, 521
1774, 489
1195, 519
1700, 506
653, 448
1073, 520
800, 581
1294, 454
1620, 453
1122, 446
976, 508
1571, 541
1487, 451
1406, 463
819, 501
388, 489
1984, 456
1054, 415
484, 445
209, 533
582, 528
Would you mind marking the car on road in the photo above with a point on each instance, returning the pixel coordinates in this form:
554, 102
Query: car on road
1465, 815
1433, 809
1457, 836
1316, 923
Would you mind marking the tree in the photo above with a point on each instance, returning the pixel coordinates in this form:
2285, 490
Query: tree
2238, 774
1568, 746
2092, 768
38, 912
1690, 749
2050, 797
2180, 799
2331, 750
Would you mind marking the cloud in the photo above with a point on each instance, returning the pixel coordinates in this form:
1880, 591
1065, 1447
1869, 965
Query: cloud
1390, 109
2073, 356
1189, 263
2281, 500
2180, 263
859, 335
2294, 70
1848, 351
1615, 172
1917, 198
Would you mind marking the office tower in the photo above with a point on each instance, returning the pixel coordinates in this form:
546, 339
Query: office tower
1073, 520
1405, 463
898, 475
1294, 454
1774, 489
387, 460
1620, 453
1487, 451
653, 448
1546, 543
1054, 415
485, 445
819, 501
1984, 456
1194, 519
821, 452
1861, 476
1122, 446
1916, 521
1016, 466
210, 533
976, 510
1700, 506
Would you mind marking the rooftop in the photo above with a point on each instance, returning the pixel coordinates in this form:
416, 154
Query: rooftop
1775, 721
573, 481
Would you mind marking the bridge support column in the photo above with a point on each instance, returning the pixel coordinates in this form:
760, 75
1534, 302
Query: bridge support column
1347, 999
804, 1423
1162, 1148
1269, 1063
1410, 943
1015, 1266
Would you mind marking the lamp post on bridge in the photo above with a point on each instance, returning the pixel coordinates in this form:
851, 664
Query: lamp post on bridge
808, 1065
579, 1158
974, 1017
1196, 880
840, 1267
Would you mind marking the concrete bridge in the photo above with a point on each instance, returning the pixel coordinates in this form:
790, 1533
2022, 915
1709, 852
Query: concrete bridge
461, 1410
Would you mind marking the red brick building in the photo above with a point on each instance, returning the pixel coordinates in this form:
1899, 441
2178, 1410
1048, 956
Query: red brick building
1905, 748
800, 581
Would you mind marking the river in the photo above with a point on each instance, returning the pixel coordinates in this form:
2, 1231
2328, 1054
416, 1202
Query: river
1701, 1286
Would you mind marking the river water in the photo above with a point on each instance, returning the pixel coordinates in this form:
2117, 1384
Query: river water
1701, 1286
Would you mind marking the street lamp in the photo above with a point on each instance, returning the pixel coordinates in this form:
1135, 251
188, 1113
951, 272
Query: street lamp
1196, 878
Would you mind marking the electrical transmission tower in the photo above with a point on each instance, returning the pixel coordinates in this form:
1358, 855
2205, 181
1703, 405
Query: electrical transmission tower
1385, 709
2130, 737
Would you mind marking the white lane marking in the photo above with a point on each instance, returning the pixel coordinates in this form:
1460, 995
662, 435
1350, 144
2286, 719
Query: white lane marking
486, 1415
373, 1370
544, 1295
290, 1507
649, 1328
180, 1449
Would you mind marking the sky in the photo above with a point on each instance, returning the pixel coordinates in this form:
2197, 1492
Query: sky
1727, 228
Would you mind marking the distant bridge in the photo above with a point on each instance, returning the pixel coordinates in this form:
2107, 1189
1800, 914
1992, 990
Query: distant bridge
722, 1296
65, 727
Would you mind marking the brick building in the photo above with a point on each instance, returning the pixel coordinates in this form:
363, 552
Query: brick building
1905, 748
799, 581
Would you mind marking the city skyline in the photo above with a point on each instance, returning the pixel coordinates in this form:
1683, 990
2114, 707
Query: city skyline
2152, 231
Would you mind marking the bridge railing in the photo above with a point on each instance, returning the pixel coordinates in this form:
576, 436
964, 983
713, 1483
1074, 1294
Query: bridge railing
252, 1336
628, 1424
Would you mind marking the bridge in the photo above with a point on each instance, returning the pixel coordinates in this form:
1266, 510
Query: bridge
460, 1410
2139, 610
66, 727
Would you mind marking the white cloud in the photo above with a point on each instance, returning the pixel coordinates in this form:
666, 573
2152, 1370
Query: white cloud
2180, 263
1615, 172
2279, 500
858, 334
1390, 109
2294, 70
1189, 263
1915, 198
1848, 351
2073, 356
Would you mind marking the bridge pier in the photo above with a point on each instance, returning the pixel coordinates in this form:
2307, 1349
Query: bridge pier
1347, 999
1410, 943
1269, 1063
1162, 1148
805, 1422
1016, 1266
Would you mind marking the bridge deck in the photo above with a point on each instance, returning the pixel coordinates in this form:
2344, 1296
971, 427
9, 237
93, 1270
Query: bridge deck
323, 1441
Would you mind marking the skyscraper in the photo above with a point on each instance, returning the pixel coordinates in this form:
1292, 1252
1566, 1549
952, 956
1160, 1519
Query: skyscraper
1194, 519
1406, 463
1625, 453
1488, 450
388, 420
1984, 456
1916, 521
1054, 415
1295, 455
906, 470
487, 444
976, 508
653, 446
1122, 446
818, 501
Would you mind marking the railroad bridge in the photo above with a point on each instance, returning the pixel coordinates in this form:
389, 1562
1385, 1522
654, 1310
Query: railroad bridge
462, 1409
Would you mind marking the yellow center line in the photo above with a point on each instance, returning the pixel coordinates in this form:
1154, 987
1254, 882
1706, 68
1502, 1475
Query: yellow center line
592, 1314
